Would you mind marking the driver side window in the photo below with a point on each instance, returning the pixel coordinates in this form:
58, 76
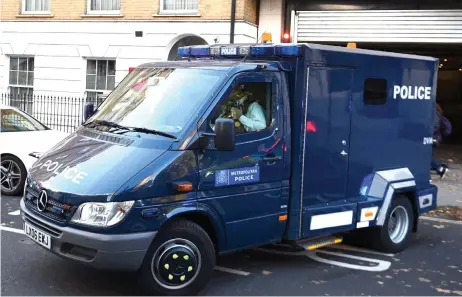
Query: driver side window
249, 105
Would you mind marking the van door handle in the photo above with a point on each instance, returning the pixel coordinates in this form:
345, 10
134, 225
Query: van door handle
272, 159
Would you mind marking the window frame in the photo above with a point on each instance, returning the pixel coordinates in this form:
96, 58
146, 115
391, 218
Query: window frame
30, 87
241, 78
36, 12
99, 91
102, 12
376, 102
178, 12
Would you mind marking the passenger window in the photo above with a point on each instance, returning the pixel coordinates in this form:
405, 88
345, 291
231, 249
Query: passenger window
249, 105
375, 91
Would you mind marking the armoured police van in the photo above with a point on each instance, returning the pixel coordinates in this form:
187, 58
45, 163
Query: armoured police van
232, 147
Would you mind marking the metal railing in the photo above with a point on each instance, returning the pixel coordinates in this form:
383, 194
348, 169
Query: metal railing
59, 113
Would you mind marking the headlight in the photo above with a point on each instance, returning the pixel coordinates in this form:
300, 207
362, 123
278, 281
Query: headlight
101, 214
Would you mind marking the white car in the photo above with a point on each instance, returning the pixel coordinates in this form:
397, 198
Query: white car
21, 138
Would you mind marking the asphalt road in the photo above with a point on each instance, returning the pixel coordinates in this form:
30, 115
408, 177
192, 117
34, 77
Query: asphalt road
431, 266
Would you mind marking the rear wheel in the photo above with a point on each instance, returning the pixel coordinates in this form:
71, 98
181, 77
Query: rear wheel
180, 260
395, 234
12, 175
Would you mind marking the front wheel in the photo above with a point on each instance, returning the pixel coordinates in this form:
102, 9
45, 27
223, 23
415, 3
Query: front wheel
395, 234
180, 260
12, 175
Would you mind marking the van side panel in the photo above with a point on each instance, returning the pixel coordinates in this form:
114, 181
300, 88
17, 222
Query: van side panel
392, 135
383, 137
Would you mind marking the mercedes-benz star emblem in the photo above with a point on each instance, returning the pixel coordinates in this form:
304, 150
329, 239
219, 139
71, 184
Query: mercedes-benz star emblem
42, 201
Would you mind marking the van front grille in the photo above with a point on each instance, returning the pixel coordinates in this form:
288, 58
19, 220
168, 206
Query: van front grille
54, 209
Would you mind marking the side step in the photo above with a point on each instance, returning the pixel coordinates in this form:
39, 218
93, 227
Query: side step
316, 243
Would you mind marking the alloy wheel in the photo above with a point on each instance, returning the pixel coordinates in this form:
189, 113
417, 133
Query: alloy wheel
10, 175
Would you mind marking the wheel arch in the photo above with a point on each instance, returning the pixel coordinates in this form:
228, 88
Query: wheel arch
20, 158
9, 154
208, 219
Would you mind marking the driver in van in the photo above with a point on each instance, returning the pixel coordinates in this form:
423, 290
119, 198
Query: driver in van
254, 119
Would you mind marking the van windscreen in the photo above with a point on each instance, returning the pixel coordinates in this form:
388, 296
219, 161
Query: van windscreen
162, 99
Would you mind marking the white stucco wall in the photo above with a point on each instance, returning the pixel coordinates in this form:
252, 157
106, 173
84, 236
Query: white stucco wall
61, 48
271, 15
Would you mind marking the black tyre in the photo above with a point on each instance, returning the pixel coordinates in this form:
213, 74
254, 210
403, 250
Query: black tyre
395, 234
12, 175
180, 260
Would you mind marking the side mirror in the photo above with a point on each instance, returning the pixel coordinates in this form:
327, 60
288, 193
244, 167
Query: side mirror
224, 134
88, 110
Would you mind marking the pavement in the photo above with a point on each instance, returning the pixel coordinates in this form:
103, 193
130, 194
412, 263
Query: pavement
449, 188
450, 154
432, 265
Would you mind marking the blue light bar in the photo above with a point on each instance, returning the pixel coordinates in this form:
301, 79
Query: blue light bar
262, 51
289, 51
184, 51
200, 51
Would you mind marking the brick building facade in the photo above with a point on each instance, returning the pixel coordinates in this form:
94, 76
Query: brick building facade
86, 47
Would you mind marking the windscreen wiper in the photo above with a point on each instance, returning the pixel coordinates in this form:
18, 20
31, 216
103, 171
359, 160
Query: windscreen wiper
130, 129
147, 131
97, 123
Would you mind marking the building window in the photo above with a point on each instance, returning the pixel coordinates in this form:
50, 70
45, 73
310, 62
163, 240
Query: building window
179, 6
103, 6
100, 77
36, 7
21, 81
375, 91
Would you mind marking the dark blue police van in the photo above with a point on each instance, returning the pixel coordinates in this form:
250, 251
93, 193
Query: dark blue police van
237, 146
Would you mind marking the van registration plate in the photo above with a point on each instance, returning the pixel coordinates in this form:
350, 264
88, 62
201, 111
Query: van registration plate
37, 235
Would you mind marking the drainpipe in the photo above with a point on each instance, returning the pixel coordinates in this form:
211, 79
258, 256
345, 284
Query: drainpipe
233, 21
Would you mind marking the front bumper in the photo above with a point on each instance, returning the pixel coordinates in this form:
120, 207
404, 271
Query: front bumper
103, 251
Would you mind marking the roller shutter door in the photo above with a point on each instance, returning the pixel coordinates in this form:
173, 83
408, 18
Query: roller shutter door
384, 26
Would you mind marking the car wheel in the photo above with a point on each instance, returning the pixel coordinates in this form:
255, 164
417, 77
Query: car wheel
395, 234
180, 260
12, 175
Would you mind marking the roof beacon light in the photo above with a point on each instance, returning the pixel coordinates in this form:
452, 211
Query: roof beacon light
266, 37
351, 45
184, 51
262, 50
289, 51
200, 51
